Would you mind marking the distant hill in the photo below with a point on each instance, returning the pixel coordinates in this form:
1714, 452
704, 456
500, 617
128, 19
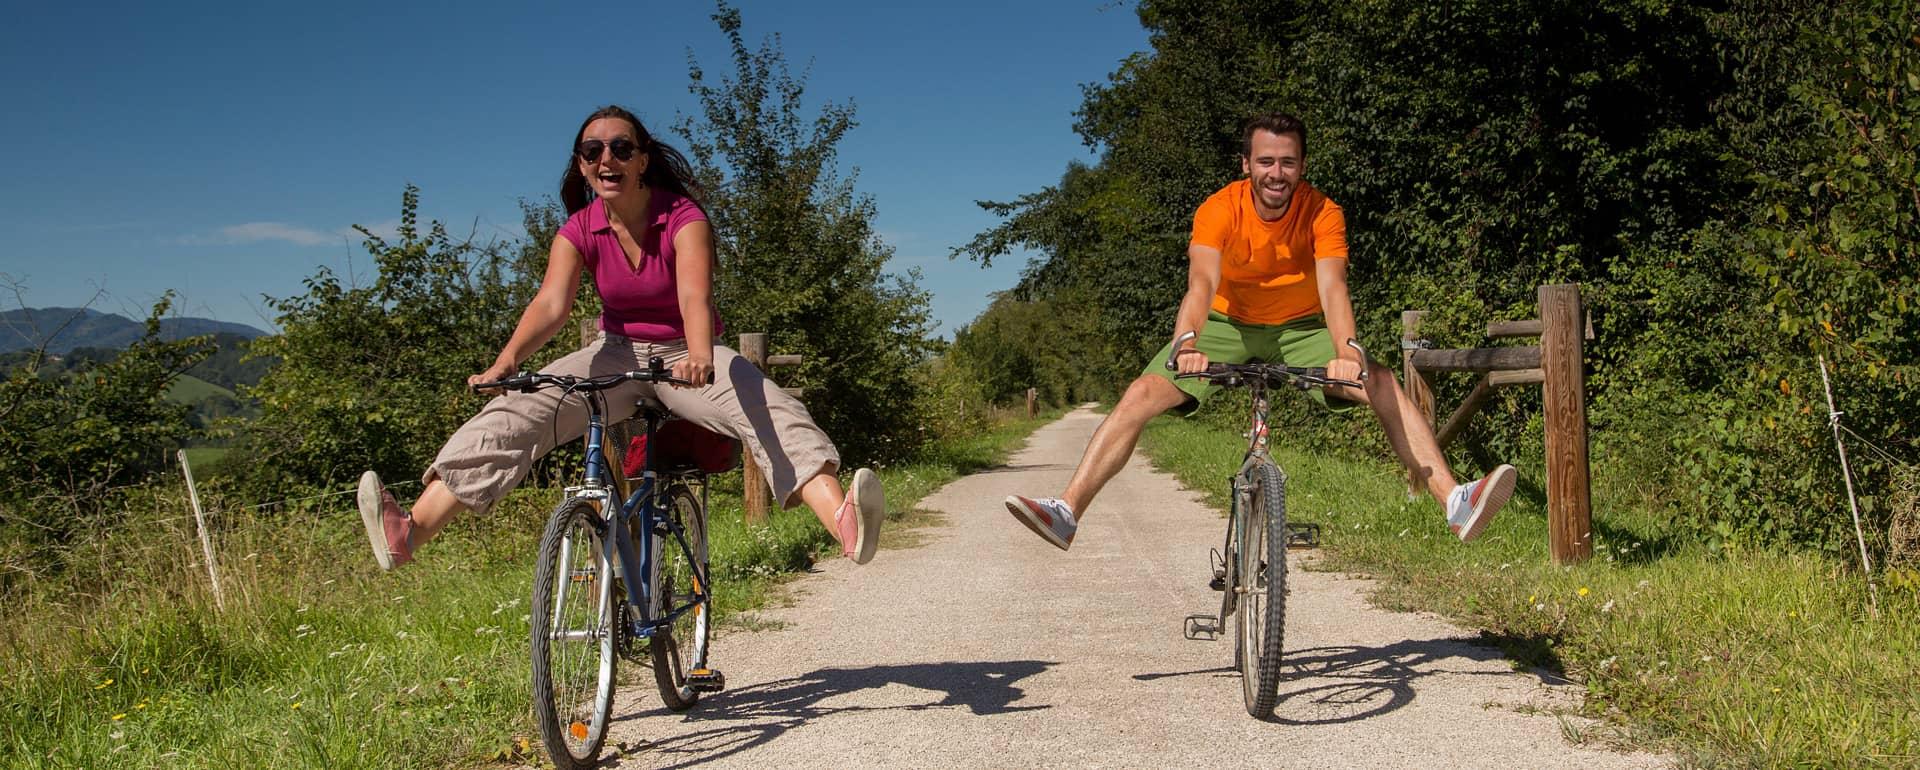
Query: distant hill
24, 329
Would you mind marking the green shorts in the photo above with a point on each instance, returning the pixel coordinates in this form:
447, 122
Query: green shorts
1300, 342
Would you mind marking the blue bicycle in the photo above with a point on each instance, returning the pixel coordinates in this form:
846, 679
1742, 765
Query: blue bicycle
622, 561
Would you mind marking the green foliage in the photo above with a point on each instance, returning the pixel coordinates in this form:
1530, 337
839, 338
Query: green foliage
1825, 123
68, 439
1734, 188
375, 375
798, 256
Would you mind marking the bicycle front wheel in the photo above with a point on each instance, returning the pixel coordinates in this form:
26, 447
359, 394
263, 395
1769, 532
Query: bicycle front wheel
1261, 583
680, 566
573, 635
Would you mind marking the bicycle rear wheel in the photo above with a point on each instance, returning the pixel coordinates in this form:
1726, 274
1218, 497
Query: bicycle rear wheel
681, 647
573, 636
1262, 587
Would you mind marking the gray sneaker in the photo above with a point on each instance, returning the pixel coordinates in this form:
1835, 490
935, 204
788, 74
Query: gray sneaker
1472, 505
1048, 517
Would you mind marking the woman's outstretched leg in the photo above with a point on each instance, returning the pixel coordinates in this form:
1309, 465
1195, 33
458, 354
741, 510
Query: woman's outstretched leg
854, 519
396, 532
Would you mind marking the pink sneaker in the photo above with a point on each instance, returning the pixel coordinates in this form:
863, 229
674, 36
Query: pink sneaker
857, 523
389, 527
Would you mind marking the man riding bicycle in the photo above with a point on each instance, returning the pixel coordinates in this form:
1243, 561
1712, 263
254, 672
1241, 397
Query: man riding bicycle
1267, 279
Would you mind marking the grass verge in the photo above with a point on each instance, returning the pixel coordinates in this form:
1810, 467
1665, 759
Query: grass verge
1736, 657
318, 659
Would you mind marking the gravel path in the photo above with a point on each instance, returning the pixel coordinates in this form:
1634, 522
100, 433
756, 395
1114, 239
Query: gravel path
984, 647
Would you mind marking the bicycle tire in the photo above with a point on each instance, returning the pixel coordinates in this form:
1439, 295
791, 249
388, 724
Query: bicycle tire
1262, 584
681, 646
572, 636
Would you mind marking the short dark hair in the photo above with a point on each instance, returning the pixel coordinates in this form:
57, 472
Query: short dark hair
1276, 123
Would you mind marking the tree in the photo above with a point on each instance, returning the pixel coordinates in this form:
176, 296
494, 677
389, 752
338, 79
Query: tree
798, 256
375, 376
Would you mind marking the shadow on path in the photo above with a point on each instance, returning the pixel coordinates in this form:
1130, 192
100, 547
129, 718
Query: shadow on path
755, 714
1337, 685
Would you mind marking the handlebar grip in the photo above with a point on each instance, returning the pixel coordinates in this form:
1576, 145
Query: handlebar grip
518, 381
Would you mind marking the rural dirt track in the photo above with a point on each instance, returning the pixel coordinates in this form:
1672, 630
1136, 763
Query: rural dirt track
981, 646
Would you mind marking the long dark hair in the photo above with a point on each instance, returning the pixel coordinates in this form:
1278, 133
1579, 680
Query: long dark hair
667, 169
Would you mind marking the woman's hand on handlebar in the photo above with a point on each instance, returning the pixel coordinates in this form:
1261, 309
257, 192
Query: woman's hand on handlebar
495, 373
696, 371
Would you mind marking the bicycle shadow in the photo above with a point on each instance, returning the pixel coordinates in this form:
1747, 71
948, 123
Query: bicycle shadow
753, 715
1344, 684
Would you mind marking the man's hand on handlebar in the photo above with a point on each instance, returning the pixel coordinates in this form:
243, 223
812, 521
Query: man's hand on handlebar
1186, 360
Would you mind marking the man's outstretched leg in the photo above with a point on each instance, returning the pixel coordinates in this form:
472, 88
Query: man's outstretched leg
1054, 518
1469, 507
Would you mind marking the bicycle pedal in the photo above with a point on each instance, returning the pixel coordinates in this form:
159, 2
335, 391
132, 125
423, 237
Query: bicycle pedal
1303, 535
1201, 628
1218, 583
706, 680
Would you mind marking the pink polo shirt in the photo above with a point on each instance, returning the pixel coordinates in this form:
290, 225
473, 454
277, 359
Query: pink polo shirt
638, 298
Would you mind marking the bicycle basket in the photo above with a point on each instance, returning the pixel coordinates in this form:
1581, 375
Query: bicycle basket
683, 446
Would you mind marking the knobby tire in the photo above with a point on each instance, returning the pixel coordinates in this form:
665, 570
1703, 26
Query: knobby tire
1262, 584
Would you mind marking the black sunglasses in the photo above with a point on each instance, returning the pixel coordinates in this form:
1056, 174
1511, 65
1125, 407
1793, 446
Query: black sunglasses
622, 148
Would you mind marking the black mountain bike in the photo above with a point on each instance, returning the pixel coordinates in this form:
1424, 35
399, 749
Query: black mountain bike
1251, 571
618, 567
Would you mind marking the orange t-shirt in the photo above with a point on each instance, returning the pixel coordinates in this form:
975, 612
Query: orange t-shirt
1266, 268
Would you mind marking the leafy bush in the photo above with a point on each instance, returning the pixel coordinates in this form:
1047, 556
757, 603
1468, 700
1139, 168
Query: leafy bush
66, 441
375, 376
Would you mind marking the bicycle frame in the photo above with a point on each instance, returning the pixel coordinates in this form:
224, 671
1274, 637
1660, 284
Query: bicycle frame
1239, 501
605, 483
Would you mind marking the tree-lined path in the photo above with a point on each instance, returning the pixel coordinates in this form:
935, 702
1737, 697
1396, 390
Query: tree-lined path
981, 646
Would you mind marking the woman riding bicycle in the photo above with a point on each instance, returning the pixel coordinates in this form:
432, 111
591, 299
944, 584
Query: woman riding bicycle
636, 225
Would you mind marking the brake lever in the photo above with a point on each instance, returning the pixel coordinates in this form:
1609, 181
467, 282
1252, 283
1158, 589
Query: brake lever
1173, 355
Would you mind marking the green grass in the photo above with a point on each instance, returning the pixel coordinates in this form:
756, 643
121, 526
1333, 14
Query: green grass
319, 660
188, 389
1730, 657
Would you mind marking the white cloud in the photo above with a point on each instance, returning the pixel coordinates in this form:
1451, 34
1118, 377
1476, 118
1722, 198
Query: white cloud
255, 232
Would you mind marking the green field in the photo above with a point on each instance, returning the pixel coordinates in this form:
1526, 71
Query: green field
188, 389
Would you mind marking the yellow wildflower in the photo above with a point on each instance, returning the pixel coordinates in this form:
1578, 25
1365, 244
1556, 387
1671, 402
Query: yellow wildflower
118, 717
1583, 590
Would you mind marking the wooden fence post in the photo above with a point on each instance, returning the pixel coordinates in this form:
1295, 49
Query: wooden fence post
1417, 387
1562, 361
206, 543
756, 495
1031, 395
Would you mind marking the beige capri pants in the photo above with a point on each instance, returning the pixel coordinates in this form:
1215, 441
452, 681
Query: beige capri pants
489, 455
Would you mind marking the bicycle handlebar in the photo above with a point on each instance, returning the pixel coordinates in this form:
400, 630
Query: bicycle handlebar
527, 382
1222, 373
1235, 375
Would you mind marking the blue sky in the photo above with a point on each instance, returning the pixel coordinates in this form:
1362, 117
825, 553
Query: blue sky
224, 150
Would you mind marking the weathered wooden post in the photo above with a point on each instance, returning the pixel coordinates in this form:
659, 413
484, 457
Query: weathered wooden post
756, 495
1031, 394
1562, 361
1417, 387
